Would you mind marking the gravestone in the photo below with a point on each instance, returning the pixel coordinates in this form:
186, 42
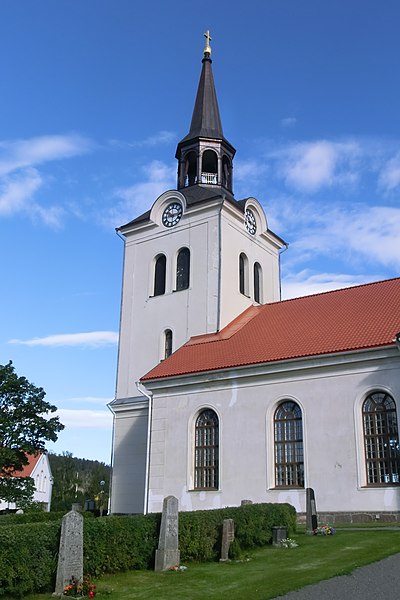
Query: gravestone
278, 534
311, 511
246, 502
70, 556
228, 535
168, 555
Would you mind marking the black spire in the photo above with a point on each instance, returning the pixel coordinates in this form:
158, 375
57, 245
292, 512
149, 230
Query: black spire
206, 120
204, 155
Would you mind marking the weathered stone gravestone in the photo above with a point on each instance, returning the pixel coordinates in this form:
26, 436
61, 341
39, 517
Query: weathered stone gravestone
228, 535
70, 557
278, 534
311, 514
168, 555
246, 502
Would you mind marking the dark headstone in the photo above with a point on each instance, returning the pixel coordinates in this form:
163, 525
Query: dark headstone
311, 509
278, 534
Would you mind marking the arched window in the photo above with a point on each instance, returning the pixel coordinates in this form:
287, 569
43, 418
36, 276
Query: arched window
209, 167
381, 439
206, 451
257, 283
288, 434
183, 269
191, 169
226, 173
243, 274
159, 275
167, 343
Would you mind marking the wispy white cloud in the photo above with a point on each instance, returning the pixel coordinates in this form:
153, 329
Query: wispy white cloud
245, 170
310, 166
288, 122
16, 192
17, 154
161, 137
85, 419
307, 282
92, 339
137, 198
389, 178
21, 181
89, 400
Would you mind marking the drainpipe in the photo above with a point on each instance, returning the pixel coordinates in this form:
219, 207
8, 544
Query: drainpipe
279, 264
148, 395
397, 340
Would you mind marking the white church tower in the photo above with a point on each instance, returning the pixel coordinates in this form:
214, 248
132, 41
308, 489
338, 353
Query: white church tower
192, 263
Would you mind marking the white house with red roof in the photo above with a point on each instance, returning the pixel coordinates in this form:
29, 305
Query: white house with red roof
38, 468
225, 392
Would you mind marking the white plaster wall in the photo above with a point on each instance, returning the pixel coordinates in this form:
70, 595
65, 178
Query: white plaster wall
189, 312
257, 248
330, 399
129, 465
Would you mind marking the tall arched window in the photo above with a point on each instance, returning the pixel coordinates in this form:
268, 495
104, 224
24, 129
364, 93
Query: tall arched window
288, 434
159, 275
167, 343
257, 283
381, 439
243, 274
183, 269
206, 451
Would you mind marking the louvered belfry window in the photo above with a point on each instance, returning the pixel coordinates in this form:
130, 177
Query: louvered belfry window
381, 440
289, 457
206, 460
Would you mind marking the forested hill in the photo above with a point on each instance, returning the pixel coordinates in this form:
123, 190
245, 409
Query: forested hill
77, 480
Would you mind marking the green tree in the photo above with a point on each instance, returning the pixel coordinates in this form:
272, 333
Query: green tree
25, 427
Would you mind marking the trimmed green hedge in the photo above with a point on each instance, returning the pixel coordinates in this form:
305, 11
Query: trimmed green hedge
28, 552
28, 558
36, 517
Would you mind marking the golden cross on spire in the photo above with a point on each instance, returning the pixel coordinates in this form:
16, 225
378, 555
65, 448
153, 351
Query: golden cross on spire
208, 37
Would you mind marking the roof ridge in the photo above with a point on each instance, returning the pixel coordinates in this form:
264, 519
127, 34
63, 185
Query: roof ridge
343, 289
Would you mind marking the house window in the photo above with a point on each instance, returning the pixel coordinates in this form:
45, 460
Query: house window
183, 269
206, 451
257, 282
167, 343
288, 434
243, 274
159, 275
381, 439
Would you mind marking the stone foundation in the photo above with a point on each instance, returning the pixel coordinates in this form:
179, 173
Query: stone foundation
334, 518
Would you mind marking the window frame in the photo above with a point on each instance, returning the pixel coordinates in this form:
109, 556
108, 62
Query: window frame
257, 282
160, 275
206, 455
377, 434
243, 274
182, 280
290, 445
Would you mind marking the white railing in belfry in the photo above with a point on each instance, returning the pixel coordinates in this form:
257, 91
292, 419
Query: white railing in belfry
208, 178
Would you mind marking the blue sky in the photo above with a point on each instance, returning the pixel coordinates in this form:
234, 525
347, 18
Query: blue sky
94, 97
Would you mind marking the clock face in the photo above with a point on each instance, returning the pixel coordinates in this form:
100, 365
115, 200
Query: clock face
250, 222
172, 214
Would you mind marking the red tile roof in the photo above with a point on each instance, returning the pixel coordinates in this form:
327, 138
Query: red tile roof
27, 469
365, 316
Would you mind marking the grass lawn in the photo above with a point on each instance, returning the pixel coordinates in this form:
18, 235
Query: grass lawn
268, 573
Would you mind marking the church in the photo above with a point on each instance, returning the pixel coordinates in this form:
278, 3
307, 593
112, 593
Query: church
224, 391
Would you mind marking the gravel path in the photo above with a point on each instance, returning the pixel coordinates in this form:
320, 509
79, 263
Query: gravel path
377, 581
